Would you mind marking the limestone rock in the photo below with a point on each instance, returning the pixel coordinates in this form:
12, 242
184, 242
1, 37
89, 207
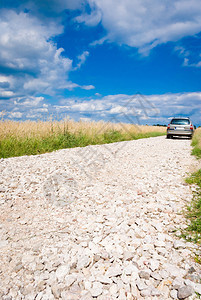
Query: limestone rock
179, 245
144, 274
113, 271
62, 271
173, 294
96, 289
184, 292
95, 222
83, 262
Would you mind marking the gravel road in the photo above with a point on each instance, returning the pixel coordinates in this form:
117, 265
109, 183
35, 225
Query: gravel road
100, 222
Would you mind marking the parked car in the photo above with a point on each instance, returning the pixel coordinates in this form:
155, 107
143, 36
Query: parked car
180, 127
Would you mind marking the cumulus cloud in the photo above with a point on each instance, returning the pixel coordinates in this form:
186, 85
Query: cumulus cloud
146, 24
92, 18
136, 23
30, 61
33, 66
26, 48
24, 41
6, 87
6, 94
15, 115
136, 109
28, 101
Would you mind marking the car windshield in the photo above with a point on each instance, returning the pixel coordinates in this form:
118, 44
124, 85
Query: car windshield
180, 121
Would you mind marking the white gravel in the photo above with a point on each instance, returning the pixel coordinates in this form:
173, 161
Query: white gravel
99, 222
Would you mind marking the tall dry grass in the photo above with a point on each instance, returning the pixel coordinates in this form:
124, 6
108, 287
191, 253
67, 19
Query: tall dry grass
40, 129
29, 137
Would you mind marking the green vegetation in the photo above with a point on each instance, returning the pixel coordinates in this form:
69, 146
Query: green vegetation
30, 138
196, 143
193, 231
14, 146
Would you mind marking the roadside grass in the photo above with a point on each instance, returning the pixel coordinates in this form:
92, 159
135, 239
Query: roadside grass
193, 231
31, 138
196, 143
193, 214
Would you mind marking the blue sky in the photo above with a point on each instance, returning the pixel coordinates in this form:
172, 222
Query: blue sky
125, 60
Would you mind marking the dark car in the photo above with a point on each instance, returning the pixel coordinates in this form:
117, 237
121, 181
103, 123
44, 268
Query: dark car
180, 127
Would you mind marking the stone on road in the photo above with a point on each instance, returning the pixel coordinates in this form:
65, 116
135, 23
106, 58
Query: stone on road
98, 222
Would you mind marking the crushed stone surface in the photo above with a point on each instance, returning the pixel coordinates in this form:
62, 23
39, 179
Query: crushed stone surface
100, 222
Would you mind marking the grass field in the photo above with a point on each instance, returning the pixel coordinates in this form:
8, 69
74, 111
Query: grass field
193, 231
30, 138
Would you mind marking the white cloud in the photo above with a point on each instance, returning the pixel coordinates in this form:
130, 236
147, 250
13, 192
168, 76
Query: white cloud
26, 48
6, 94
146, 24
70, 86
29, 54
85, 119
82, 58
188, 64
41, 110
5, 79
24, 41
190, 58
125, 108
28, 101
87, 106
116, 108
182, 51
5, 87
91, 19
15, 115
88, 87
36, 66
31, 116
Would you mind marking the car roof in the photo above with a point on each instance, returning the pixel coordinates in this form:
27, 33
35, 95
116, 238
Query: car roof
181, 118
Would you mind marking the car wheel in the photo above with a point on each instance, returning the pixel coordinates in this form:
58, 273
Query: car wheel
168, 136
